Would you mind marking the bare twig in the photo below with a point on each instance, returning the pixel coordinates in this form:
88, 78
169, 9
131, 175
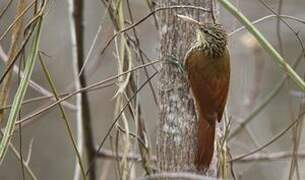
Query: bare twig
94, 41
25, 163
94, 85
276, 57
34, 85
78, 15
264, 103
152, 5
119, 115
278, 27
20, 15
147, 16
140, 124
79, 112
64, 116
41, 98
275, 156
16, 36
15, 56
9, 2
21, 91
266, 18
286, 23
6, 85
138, 45
108, 154
20, 135
272, 140
30, 150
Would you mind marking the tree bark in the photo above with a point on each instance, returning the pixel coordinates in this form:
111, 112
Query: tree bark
177, 140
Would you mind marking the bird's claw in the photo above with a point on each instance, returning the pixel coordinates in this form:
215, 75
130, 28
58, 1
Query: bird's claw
173, 60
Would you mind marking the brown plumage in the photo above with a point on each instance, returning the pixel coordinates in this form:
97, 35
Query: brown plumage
207, 65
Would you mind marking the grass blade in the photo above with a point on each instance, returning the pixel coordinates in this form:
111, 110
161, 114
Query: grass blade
30, 63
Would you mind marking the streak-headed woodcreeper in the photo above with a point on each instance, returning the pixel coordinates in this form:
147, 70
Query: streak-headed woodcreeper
207, 65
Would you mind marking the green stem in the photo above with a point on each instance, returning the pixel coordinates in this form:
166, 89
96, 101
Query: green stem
264, 43
64, 116
30, 63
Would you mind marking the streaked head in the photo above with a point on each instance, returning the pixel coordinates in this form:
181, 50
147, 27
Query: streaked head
212, 33
213, 37
209, 35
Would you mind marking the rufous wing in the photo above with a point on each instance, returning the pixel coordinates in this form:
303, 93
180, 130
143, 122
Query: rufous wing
209, 82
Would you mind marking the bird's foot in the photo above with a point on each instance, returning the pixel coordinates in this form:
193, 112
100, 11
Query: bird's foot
174, 60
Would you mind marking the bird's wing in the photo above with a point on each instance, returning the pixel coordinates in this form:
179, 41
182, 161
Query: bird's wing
209, 84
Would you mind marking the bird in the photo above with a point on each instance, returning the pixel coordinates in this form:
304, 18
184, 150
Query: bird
207, 66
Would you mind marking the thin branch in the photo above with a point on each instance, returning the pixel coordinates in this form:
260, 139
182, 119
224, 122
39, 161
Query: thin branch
108, 154
20, 132
147, 16
6, 85
272, 140
94, 85
282, 20
30, 150
64, 116
152, 5
277, 88
275, 156
294, 162
41, 98
138, 45
141, 142
266, 18
17, 19
278, 27
10, 126
79, 113
78, 15
9, 2
25, 163
119, 115
94, 41
265, 101
14, 58
32, 83
265, 44
15, 38
28, 30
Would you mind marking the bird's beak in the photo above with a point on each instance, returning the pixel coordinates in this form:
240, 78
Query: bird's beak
189, 20
200, 35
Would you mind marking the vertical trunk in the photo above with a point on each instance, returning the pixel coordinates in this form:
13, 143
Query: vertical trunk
78, 15
177, 141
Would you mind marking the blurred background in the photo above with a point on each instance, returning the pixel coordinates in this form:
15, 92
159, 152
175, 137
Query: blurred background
254, 77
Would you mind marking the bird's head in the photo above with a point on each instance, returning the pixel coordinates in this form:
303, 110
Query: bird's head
211, 34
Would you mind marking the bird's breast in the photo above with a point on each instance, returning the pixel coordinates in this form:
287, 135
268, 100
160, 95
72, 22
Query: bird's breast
200, 62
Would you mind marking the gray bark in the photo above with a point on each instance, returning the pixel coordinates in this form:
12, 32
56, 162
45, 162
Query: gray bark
176, 142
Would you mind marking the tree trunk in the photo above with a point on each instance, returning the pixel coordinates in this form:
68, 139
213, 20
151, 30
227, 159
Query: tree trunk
177, 141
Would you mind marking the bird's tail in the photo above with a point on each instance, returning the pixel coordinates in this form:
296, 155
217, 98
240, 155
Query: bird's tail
206, 135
